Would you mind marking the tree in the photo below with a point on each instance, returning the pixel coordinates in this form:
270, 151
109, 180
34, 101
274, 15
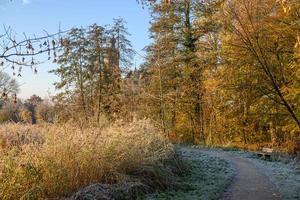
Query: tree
8, 85
45, 112
177, 79
260, 37
73, 67
91, 67
161, 71
31, 105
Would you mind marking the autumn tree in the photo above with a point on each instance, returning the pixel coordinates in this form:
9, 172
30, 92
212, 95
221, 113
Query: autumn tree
31, 105
176, 69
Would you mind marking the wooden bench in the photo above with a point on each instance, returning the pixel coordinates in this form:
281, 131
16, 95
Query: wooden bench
265, 153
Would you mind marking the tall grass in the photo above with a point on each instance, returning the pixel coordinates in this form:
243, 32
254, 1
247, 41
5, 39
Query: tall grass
51, 161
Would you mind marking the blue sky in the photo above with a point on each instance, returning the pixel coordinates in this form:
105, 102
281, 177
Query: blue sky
34, 16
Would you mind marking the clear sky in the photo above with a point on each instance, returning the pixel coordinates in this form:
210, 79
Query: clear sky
34, 16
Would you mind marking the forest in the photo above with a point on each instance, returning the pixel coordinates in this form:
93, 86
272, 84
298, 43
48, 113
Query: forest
218, 75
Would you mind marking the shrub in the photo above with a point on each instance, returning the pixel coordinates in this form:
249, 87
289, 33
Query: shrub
4, 116
9, 112
45, 112
25, 116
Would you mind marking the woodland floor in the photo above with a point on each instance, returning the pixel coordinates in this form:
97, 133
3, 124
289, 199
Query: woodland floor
206, 178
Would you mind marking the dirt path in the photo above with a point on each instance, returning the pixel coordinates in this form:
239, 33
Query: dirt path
250, 183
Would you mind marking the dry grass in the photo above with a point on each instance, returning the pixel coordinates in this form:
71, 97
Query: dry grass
51, 161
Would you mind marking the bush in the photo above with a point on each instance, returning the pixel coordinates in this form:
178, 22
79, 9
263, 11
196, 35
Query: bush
25, 116
45, 112
4, 116
55, 160
9, 112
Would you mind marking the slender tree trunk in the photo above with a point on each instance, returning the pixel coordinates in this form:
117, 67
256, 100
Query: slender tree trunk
245, 121
100, 87
162, 105
81, 88
174, 105
202, 124
193, 127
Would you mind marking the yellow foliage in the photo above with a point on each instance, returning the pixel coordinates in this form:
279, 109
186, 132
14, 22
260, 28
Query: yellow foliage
25, 116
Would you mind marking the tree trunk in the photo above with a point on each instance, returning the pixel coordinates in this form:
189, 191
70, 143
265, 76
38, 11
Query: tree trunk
100, 87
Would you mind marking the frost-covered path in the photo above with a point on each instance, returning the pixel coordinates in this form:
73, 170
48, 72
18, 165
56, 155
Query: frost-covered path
213, 171
250, 183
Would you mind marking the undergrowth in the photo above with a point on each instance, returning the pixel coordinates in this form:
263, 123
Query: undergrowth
54, 161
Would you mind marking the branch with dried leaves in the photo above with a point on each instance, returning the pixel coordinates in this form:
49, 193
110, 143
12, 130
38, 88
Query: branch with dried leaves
22, 52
